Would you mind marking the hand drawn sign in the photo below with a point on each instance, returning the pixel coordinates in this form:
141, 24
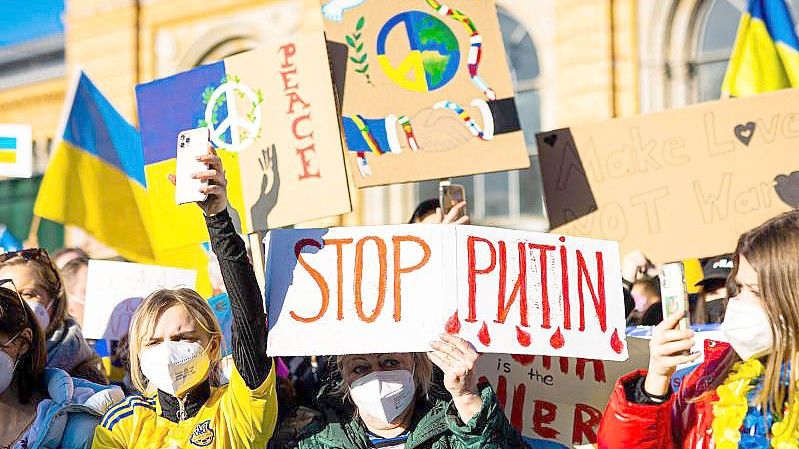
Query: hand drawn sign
395, 288
679, 183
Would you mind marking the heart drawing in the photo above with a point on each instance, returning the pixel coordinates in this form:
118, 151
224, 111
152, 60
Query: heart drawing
745, 132
551, 139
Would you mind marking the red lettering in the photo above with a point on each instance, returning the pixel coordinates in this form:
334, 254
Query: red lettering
306, 164
599, 369
339, 244
320, 280
564, 281
517, 409
399, 270
294, 98
544, 413
519, 288
502, 391
286, 74
296, 124
542, 259
597, 296
381, 290
474, 271
586, 422
288, 50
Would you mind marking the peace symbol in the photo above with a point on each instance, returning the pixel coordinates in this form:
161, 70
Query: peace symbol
233, 122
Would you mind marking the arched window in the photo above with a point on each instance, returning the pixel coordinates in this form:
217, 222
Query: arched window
714, 36
507, 197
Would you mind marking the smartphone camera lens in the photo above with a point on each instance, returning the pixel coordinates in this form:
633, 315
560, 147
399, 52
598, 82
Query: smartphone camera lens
188, 139
182, 144
182, 137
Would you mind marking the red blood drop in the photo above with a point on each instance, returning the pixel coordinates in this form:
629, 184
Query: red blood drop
483, 335
615, 342
523, 337
453, 325
557, 341
523, 358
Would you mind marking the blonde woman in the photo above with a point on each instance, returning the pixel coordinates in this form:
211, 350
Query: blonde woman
745, 394
175, 353
42, 288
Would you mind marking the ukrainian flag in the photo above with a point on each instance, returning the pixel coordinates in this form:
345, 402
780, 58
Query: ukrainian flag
766, 52
95, 178
8, 150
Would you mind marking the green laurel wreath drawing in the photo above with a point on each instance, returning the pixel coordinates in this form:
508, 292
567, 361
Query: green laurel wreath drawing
208, 91
355, 42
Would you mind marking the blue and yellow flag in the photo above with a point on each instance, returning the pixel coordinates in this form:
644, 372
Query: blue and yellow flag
95, 178
766, 52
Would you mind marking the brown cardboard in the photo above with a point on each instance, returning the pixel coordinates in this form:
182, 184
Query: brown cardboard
447, 146
688, 182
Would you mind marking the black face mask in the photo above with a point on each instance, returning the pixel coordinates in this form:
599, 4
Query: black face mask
714, 310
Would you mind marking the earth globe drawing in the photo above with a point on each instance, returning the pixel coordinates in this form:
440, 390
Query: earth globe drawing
429, 51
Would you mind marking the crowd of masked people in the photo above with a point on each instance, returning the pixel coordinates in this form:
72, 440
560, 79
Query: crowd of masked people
166, 385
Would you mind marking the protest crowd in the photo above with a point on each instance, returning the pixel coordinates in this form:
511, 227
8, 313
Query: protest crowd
224, 322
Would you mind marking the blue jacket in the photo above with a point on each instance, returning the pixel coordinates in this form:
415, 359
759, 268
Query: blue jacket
67, 417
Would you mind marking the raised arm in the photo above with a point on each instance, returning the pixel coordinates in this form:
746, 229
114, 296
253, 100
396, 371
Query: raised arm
246, 303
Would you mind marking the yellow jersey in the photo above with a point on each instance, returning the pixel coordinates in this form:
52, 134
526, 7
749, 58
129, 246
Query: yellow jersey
233, 417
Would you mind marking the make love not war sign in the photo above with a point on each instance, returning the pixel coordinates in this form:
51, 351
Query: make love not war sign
382, 289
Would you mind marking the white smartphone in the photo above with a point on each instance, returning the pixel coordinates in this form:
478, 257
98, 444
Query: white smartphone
673, 292
191, 143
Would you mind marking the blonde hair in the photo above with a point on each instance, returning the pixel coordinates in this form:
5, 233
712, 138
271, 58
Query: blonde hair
422, 376
48, 278
146, 318
773, 251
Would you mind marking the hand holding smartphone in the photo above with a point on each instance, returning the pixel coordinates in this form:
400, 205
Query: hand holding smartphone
449, 196
674, 293
190, 144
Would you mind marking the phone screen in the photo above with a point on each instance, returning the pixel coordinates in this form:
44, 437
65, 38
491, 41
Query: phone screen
450, 195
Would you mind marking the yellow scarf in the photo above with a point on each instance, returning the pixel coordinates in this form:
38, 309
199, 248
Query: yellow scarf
730, 410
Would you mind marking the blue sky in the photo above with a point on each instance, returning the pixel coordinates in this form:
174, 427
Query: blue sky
23, 20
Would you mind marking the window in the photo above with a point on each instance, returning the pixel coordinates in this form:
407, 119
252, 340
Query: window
507, 197
717, 24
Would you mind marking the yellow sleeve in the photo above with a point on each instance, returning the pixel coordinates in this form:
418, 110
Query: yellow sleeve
252, 413
106, 439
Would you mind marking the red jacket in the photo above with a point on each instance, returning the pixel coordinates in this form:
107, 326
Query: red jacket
682, 422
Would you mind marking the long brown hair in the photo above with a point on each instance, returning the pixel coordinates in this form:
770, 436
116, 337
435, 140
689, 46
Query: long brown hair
15, 317
772, 249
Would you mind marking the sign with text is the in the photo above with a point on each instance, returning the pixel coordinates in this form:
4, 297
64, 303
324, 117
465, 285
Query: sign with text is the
678, 183
396, 288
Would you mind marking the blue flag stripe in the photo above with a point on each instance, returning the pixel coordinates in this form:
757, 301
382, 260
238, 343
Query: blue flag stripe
8, 143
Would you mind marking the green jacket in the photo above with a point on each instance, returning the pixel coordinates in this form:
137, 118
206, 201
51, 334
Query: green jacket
435, 426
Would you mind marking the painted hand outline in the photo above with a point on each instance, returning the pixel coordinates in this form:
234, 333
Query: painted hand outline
334, 9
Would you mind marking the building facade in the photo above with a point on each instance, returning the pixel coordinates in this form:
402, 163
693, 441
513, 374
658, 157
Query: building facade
572, 61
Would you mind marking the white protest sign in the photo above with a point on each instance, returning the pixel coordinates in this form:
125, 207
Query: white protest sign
557, 402
115, 289
396, 288
16, 151
356, 290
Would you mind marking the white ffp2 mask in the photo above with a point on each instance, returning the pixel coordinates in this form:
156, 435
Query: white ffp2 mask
747, 328
42, 314
175, 367
7, 367
384, 395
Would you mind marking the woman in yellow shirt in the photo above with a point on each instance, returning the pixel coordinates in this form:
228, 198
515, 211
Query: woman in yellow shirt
175, 353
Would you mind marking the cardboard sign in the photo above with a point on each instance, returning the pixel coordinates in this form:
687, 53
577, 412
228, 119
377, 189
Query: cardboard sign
272, 114
683, 182
396, 288
557, 402
16, 151
427, 93
115, 289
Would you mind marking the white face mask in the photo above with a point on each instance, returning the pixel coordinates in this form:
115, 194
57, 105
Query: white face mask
384, 395
7, 367
41, 312
174, 367
747, 328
